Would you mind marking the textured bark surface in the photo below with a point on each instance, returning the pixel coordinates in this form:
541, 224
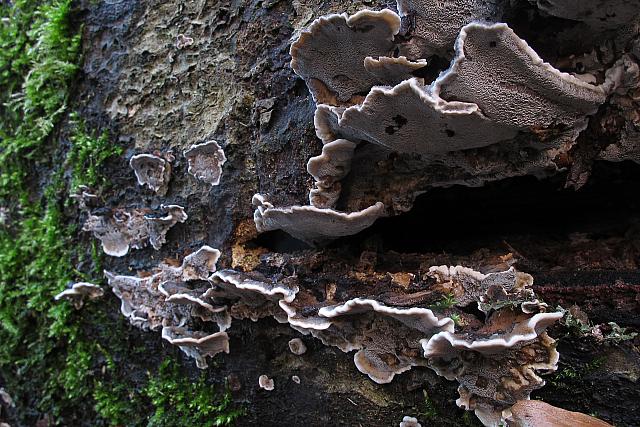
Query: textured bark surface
234, 85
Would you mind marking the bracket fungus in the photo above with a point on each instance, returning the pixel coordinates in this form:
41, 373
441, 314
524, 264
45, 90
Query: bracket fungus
197, 345
387, 338
153, 171
490, 291
434, 25
408, 421
251, 296
494, 360
78, 292
312, 225
395, 121
330, 55
495, 365
266, 383
205, 162
467, 107
202, 307
513, 86
167, 298
142, 302
498, 111
196, 266
297, 346
328, 169
85, 197
122, 229
535, 413
409, 119
391, 71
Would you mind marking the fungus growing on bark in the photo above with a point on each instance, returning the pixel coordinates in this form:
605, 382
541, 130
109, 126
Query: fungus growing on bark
153, 171
196, 266
434, 25
205, 162
387, 338
166, 298
79, 292
252, 296
122, 229
266, 383
624, 81
202, 306
297, 347
490, 291
408, 421
85, 197
312, 225
467, 107
409, 119
197, 345
330, 54
163, 297
513, 86
328, 169
535, 413
496, 364
391, 71
141, 301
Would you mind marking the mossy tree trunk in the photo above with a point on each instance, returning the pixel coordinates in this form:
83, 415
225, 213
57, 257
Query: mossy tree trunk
233, 84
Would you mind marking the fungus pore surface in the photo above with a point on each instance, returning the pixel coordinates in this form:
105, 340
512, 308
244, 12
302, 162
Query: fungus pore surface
310, 224
122, 229
153, 171
205, 162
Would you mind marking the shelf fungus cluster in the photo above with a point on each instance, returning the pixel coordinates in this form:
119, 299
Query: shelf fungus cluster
394, 122
121, 229
172, 298
495, 357
497, 111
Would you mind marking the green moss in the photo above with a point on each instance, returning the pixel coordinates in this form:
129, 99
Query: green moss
116, 404
87, 153
456, 318
180, 402
567, 377
429, 411
614, 332
34, 83
169, 398
40, 350
447, 301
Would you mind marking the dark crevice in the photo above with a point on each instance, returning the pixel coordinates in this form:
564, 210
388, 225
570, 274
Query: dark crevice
279, 241
460, 220
432, 70
473, 310
523, 212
